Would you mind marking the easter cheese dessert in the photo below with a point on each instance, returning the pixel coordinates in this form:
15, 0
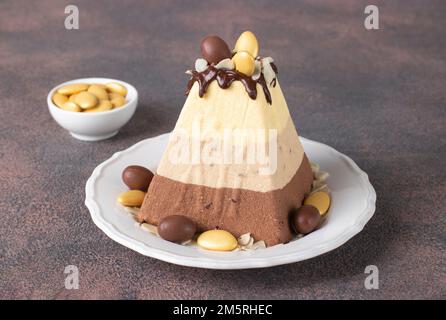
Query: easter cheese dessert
234, 161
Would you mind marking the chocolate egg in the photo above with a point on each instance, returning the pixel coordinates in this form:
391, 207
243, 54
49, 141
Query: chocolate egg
214, 49
247, 42
176, 228
305, 219
137, 177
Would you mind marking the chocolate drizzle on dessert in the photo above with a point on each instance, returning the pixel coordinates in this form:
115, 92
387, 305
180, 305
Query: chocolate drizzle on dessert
225, 77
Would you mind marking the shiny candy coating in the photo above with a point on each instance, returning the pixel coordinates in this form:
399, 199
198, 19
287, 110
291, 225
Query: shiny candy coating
131, 198
99, 91
247, 42
103, 105
244, 63
118, 101
217, 240
137, 177
305, 219
214, 49
116, 88
86, 100
59, 99
71, 106
72, 88
176, 228
320, 200
71, 98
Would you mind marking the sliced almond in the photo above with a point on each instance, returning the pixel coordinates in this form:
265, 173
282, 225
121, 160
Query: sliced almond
268, 72
323, 188
132, 210
257, 70
225, 64
201, 65
314, 167
267, 60
318, 183
250, 243
258, 245
149, 227
243, 240
322, 175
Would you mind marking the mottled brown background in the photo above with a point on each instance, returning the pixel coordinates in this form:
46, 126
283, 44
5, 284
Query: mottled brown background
378, 96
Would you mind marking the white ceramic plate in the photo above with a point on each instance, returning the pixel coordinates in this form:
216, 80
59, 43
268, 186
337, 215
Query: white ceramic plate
353, 204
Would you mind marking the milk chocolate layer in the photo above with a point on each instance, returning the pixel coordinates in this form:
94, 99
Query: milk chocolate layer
239, 211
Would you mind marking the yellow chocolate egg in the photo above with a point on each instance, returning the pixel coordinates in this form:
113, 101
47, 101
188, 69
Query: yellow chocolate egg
113, 95
118, 101
244, 63
320, 200
116, 88
59, 99
71, 98
71, 106
86, 100
217, 240
247, 42
103, 105
72, 88
131, 198
98, 91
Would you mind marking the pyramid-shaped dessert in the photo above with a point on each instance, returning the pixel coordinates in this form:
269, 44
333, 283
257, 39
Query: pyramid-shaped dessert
234, 160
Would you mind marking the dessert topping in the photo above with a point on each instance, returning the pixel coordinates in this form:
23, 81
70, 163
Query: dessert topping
246, 242
137, 177
247, 42
224, 79
131, 198
305, 219
268, 70
217, 240
176, 228
244, 63
320, 177
257, 70
225, 64
320, 200
174, 223
201, 65
214, 49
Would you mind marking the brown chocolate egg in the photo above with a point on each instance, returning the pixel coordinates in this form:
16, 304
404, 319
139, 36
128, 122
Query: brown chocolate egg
176, 228
305, 219
214, 49
137, 177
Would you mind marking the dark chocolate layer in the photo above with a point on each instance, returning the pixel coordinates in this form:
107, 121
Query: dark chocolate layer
263, 214
225, 77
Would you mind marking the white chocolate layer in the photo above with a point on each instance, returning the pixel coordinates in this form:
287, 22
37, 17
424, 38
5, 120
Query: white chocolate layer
232, 108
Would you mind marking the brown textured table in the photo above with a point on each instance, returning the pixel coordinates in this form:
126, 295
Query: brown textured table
378, 96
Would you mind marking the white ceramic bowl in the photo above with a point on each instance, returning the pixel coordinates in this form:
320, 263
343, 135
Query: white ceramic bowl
94, 126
